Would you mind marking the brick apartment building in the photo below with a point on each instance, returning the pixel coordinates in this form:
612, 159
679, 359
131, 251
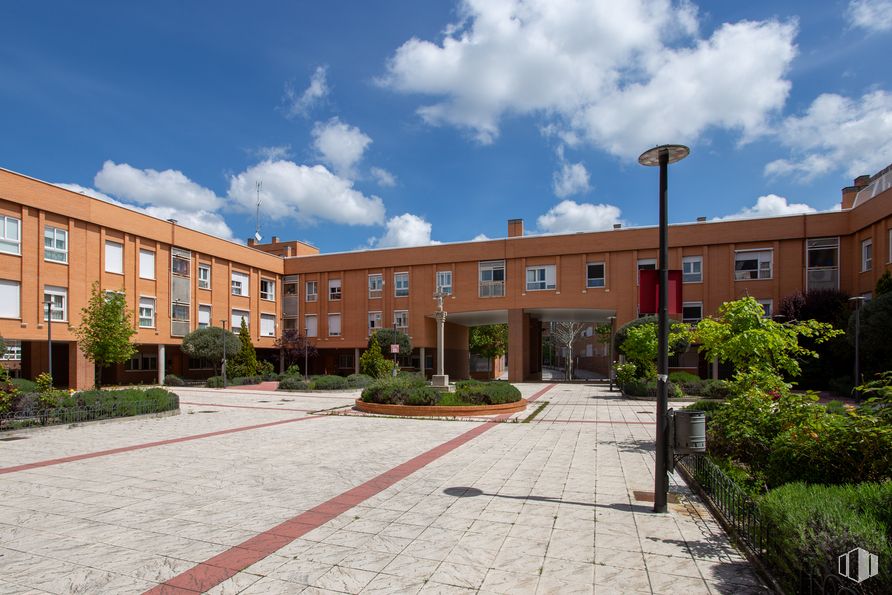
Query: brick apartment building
54, 244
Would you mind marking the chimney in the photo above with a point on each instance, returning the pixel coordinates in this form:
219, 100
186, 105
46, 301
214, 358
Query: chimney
617, 225
849, 192
515, 228
701, 219
275, 239
251, 241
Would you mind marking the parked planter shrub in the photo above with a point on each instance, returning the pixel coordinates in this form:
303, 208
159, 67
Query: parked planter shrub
293, 383
359, 380
400, 391
486, 393
329, 382
173, 380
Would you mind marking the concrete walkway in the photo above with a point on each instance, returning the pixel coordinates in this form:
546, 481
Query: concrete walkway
247, 492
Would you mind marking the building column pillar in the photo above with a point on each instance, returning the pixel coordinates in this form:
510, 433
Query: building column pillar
162, 363
421, 357
440, 379
518, 345
356, 360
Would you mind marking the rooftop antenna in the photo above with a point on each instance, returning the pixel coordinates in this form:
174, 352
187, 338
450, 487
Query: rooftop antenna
257, 235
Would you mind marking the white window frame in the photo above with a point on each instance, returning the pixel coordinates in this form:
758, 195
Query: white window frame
376, 286
691, 305
375, 317
56, 292
111, 244
270, 293
267, 329
145, 307
143, 273
769, 311
867, 255
311, 296
204, 281
237, 323
315, 326
53, 234
12, 287
13, 351
332, 331
399, 291
441, 284
757, 254
334, 290
492, 287
401, 320
210, 312
242, 282
821, 244
692, 276
9, 244
592, 282
539, 279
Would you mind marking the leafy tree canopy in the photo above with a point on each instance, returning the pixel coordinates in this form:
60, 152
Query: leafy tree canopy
489, 341
207, 343
884, 284
641, 345
105, 329
876, 335
385, 337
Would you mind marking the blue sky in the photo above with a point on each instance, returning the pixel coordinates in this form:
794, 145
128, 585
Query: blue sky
409, 122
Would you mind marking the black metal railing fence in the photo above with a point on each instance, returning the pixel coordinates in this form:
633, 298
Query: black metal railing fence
101, 409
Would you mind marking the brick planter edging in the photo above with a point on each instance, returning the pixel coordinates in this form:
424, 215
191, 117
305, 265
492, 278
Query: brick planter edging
440, 410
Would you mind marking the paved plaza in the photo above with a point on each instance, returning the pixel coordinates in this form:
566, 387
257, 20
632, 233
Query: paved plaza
269, 492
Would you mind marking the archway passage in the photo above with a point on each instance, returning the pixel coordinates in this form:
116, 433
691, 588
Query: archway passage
525, 332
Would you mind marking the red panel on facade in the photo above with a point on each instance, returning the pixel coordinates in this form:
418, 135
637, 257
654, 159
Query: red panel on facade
649, 292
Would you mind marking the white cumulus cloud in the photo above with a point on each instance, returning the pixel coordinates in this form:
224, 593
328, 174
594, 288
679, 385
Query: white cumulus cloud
837, 132
304, 193
872, 15
168, 188
569, 216
384, 178
481, 237
622, 75
572, 178
770, 205
405, 230
299, 104
340, 145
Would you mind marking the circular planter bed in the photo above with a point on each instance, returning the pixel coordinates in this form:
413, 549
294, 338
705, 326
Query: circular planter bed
440, 410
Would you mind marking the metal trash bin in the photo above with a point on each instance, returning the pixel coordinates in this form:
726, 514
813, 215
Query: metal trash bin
689, 432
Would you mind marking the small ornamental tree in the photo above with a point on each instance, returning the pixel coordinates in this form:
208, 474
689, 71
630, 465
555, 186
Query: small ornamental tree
295, 346
564, 335
489, 341
641, 346
105, 330
372, 362
207, 343
385, 337
244, 362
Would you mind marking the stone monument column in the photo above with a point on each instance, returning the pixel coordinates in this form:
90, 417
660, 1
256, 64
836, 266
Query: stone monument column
440, 379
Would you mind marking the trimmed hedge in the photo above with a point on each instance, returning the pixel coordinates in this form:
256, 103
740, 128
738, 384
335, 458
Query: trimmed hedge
215, 382
24, 385
173, 380
328, 382
359, 380
648, 388
405, 390
486, 393
293, 383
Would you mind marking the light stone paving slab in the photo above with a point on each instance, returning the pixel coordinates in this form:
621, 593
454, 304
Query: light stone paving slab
540, 507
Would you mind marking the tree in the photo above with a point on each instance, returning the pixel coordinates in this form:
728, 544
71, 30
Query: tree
641, 345
876, 329
207, 343
372, 362
244, 362
488, 341
105, 330
565, 334
385, 337
296, 347
743, 336
884, 284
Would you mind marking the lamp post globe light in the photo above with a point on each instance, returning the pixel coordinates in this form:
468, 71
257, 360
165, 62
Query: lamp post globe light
662, 156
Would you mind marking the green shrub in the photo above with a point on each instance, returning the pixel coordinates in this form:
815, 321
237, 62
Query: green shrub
215, 382
836, 408
24, 385
715, 389
814, 524
841, 385
293, 370
329, 382
400, 391
245, 380
648, 388
486, 393
372, 362
681, 376
44, 382
624, 373
359, 380
707, 406
293, 383
173, 380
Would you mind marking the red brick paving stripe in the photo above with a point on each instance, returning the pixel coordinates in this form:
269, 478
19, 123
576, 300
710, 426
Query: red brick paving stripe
114, 451
214, 571
246, 406
540, 393
593, 421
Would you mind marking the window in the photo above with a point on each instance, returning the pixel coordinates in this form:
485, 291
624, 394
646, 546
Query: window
13, 350
179, 263
142, 362
146, 312
240, 283
204, 316
646, 264
146, 264
492, 278
753, 264
267, 325
692, 311
238, 316
10, 299
204, 276
594, 274
58, 298
767, 305
334, 325
200, 363
401, 284
401, 320
268, 290
312, 290
290, 300
55, 244
334, 289
374, 321
541, 277
692, 269
444, 282
310, 327
345, 361
179, 313
588, 350
866, 255
376, 286
10, 237
114, 257
823, 263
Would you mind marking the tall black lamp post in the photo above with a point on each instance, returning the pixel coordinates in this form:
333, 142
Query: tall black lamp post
859, 301
223, 335
49, 335
663, 156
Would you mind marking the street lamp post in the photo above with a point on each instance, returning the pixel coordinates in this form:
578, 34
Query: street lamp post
306, 351
223, 335
663, 155
49, 335
859, 300
612, 320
